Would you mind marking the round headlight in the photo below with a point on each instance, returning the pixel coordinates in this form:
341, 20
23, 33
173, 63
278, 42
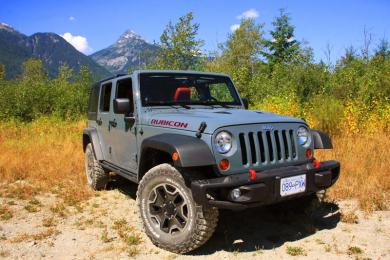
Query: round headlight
223, 142
303, 135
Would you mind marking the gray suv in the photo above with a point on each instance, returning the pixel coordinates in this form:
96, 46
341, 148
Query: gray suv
190, 143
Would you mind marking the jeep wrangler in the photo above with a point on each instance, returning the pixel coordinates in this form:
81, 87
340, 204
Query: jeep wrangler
192, 146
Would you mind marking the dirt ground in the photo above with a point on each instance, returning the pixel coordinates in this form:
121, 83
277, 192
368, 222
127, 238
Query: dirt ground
105, 227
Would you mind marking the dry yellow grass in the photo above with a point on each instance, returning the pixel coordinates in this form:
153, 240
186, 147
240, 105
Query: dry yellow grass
43, 156
46, 156
37, 236
365, 169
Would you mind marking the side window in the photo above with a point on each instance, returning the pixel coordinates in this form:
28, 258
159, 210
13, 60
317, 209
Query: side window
93, 102
124, 89
105, 97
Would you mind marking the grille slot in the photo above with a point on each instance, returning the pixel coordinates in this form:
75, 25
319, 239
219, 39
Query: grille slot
278, 148
270, 146
261, 144
253, 148
286, 145
243, 149
293, 144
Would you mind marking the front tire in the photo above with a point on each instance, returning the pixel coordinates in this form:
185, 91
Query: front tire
97, 177
171, 218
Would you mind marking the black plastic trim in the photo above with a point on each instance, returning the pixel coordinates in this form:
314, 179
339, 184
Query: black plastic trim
192, 151
265, 189
118, 170
90, 135
321, 140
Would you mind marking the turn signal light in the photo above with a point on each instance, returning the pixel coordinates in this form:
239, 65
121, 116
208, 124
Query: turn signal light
252, 174
224, 164
175, 156
309, 153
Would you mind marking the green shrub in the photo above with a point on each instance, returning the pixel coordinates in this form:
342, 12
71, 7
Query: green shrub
327, 113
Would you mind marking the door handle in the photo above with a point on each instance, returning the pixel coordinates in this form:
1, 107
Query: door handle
99, 121
113, 123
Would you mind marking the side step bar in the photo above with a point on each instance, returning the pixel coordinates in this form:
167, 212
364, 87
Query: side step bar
122, 172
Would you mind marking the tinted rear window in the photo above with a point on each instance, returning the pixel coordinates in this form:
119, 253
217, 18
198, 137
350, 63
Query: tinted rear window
93, 102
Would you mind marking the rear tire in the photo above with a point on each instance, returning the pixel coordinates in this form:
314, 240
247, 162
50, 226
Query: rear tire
171, 218
97, 177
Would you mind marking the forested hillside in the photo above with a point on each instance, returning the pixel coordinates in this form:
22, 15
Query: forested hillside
53, 50
276, 73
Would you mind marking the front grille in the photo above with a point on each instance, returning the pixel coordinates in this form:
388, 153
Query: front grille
268, 147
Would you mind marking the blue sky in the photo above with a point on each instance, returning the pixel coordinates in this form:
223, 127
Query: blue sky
337, 23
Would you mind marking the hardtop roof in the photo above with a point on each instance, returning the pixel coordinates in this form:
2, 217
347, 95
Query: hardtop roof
137, 72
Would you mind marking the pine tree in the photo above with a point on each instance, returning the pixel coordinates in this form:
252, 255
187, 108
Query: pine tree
283, 47
180, 48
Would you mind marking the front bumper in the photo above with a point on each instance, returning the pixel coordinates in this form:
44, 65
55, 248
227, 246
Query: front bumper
265, 189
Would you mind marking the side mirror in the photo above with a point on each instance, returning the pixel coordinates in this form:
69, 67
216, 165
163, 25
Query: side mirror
122, 106
245, 102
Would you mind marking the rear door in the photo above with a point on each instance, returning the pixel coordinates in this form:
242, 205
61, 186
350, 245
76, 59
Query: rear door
124, 142
104, 116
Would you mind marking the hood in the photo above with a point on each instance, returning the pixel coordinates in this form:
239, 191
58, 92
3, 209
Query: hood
190, 119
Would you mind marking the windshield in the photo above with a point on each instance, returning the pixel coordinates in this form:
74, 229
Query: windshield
159, 89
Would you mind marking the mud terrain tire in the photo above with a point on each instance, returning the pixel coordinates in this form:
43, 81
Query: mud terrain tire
194, 223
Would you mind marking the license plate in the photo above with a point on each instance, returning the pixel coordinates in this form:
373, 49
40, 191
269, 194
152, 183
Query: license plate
292, 185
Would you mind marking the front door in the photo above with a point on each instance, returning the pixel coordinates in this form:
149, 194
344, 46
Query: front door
124, 142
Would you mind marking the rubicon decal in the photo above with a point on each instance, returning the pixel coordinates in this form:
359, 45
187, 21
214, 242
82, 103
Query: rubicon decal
163, 122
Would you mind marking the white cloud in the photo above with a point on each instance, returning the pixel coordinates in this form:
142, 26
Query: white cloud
71, 18
249, 14
79, 42
234, 27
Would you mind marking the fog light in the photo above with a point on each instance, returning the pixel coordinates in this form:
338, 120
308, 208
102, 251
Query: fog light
235, 193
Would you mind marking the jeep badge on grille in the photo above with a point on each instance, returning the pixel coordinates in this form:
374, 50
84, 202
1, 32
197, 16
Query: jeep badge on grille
267, 128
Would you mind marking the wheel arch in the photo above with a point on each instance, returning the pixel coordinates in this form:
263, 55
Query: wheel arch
192, 151
90, 135
321, 140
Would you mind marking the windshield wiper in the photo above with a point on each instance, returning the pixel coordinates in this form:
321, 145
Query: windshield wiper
224, 105
171, 104
213, 104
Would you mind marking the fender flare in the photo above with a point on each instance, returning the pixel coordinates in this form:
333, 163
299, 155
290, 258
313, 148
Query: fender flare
321, 140
90, 135
192, 151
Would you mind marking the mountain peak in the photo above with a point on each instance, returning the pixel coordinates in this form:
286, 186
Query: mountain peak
128, 36
7, 27
128, 52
